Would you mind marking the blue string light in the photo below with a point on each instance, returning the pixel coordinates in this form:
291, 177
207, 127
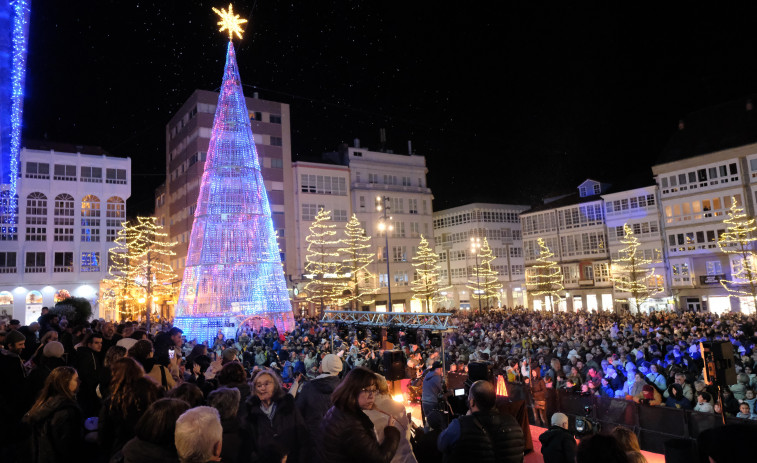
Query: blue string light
18, 73
233, 271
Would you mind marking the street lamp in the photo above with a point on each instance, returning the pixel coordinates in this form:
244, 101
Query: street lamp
382, 205
475, 248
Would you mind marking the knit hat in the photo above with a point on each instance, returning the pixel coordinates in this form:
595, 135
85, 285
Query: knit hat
331, 364
126, 343
53, 349
13, 337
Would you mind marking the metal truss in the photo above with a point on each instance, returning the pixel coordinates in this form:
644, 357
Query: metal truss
426, 321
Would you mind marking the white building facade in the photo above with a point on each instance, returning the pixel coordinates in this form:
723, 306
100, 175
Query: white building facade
500, 225
70, 208
639, 209
695, 195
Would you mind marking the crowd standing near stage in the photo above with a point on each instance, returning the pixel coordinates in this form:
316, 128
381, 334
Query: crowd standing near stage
107, 392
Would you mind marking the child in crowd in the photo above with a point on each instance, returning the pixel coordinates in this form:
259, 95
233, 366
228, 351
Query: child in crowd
745, 412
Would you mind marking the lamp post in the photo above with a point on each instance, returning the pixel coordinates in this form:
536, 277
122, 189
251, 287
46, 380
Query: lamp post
385, 226
475, 248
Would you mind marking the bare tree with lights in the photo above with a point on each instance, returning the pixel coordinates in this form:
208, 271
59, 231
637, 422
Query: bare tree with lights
738, 241
355, 261
140, 267
323, 263
427, 285
486, 283
546, 277
633, 274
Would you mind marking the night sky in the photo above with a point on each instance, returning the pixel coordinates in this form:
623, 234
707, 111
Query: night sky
508, 103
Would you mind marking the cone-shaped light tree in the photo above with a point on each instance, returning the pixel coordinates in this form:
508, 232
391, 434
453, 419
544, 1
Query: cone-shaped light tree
484, 282
233, 272
323, 267
426, 285
140, 267
355, 259
737, 241
633, 274
546, 277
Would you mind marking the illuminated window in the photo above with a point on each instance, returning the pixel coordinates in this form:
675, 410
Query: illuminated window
36, 217
115, 214
8, 216
90, 219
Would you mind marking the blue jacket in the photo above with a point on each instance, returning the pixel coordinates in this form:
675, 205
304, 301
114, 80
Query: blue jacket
432, 387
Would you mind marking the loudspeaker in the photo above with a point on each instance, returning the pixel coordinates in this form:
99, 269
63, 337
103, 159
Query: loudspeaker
394, 365
718, 363
478, 371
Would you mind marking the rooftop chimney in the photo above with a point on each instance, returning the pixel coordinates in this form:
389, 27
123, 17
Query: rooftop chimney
409, 147
356, 143
255, 95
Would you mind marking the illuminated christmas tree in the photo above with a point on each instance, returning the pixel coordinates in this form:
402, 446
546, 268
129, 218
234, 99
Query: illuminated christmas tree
427, 285
545, 278
738, 241
140, 270
323, 267
355, 262
484, 282
632, 272
233, 271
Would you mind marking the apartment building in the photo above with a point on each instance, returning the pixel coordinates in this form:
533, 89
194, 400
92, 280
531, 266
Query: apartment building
57, 232
500, 225
573, 227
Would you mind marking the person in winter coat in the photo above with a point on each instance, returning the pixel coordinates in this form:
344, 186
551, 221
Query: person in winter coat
272, 417
433, 386
144, 353
676, 398
347, 434
484, 434
539, 394
154, 442
557, 443
386, 409
50, 359
88, 364
56, 419
226, 401
314, 399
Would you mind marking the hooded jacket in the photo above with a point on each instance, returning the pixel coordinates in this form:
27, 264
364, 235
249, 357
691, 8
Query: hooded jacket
314, 400
57, 431
286, 428
558, 445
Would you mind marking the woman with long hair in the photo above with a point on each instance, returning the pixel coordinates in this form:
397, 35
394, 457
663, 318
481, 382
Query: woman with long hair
539, 394
56, 419
131, 393
272, 417
144, 353
348, 434
154, 442
630, 444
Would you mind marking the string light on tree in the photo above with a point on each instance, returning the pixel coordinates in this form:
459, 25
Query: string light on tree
427, 285
632, 273
737, 241
486, 284
323, 267
545, 277
230, 22
355, 261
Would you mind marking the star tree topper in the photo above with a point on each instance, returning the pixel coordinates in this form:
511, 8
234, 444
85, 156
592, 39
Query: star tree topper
230, 22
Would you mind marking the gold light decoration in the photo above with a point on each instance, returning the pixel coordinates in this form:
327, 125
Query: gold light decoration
546, 277
427, 285
355, 261
737, 240
230, 22
323, 267
632, 273
485, 282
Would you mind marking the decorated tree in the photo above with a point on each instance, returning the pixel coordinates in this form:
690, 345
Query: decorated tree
545, 278
737, 241
323, 265
427, 285
355, 261
485, 282
140, 267
632, 273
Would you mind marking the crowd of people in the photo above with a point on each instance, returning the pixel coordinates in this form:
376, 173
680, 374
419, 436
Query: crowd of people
110, 392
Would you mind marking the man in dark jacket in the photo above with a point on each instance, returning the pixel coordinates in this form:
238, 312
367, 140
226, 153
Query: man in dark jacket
88, 365
16, 400
483, 435
557, 443
314, 400
433, 386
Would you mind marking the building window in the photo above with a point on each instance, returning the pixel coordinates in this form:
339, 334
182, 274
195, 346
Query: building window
38, 170
90, 219
35, 262
274, 119
714, 267
64, 172
276, 141
277, 163
340, 215
64, 262
115, 176
90, 261
8, 217
7, 262
36, 217
309, 211
91, 174
115, 214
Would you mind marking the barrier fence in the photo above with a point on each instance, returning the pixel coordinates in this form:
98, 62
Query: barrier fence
652, 424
